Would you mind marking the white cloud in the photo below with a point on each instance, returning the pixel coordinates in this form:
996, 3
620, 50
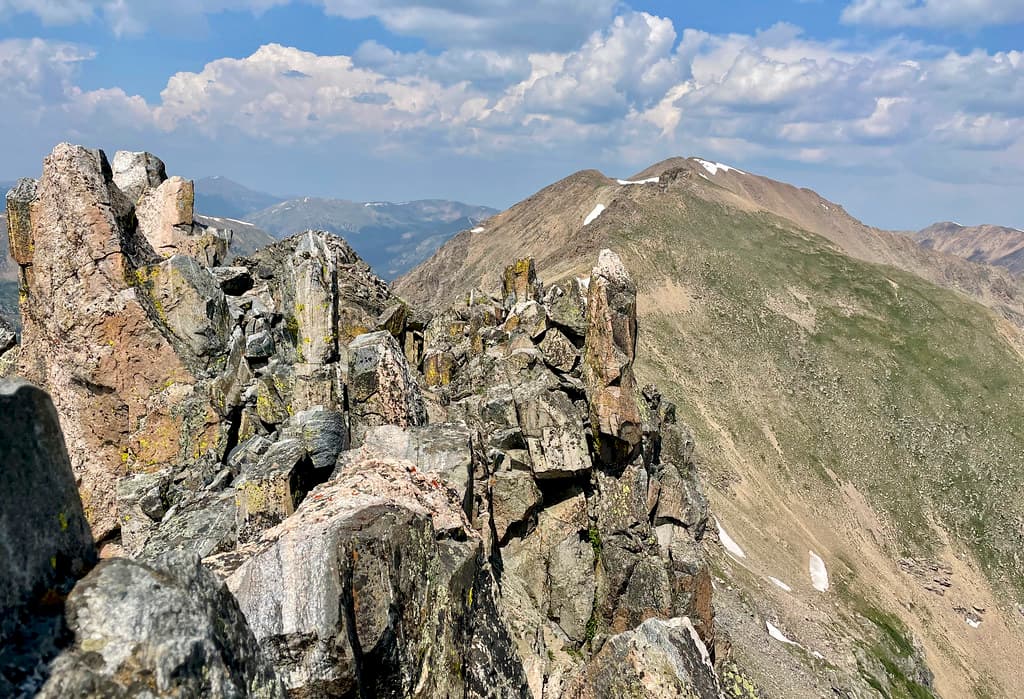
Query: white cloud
951, 14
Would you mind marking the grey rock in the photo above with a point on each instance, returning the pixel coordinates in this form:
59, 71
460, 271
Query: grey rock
270, 491
660, 659
322, 433
142, 501
566, 304
45, 543
166, 628
19, 220
514, 496
559, 352
234, 281
554, 431
382, 390
204, 525
136, 172
8, 338
259, 345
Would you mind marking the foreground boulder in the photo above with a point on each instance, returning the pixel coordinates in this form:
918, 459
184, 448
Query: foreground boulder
376, 586
45, 544
166, 628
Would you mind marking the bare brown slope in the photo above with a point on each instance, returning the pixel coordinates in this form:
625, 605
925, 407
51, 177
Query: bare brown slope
994, 245
547, 226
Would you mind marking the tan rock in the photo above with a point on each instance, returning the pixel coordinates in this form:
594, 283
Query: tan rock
125, 399
608, 359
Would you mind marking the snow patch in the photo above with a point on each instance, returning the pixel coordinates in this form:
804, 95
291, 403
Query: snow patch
778, 583
727, 541
713, 168
973, 623
649, 180
819, 574
825, 208
705, 176
376, 203
695, 637
478, 229
592, 216
775, 633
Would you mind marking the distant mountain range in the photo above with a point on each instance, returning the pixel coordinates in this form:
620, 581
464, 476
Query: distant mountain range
995, 245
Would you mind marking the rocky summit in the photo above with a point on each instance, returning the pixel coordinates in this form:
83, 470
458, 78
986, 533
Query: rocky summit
278, 478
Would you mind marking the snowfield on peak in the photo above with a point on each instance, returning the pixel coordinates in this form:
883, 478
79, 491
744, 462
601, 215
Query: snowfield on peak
592, 216
728, 542
713, 168
649, 180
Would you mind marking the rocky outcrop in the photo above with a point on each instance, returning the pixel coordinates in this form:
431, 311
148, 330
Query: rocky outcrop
608, 359
45, 544
8, 338
478, 503
164, 628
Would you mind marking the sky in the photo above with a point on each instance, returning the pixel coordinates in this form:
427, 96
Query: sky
904, 111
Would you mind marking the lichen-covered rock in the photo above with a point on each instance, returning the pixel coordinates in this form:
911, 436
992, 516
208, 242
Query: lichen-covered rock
136, 172
519, 283
45, 544
382, 390
659, 659
566, 304
164, 628
8, 338
126, 399
608, 359
559, 352
142, 501
514, 496
19, 220
354, 592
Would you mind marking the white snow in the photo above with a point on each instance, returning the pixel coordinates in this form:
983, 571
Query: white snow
697, 641
584, 283
727, 541
778, 583
775, 633
713, 168
825, 207
593, 214
705, 177
376, 203
819, 574
973, 623
478, 229
649, 180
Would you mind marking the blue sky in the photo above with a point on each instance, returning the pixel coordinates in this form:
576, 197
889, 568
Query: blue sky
905, 111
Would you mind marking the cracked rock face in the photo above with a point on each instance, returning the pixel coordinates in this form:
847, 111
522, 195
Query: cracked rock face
481, 503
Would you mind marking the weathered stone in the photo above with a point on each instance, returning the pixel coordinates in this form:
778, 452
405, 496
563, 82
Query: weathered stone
44, 537
8, 338
566, 305
354, 590
165, 214
608, 359
680, 498
443, 451
19, 220
560, 543
166, 628
234, 281
553, 430
393, 319
142, 501
322, 433
187, 298
659, 659
271, 490
437, 368
514, 496
203, 525
519, 283
126, 399
273, 394
559, 352
313, 270
527, 317
136, 172
382, 391
259, 345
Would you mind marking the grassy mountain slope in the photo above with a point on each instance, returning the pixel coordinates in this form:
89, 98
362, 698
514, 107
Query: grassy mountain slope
995, 245
841, 406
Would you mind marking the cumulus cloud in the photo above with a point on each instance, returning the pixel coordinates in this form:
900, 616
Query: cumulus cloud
934, 13
631, 91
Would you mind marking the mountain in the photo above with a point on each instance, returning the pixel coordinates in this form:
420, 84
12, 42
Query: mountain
246, 238
392, 237
4, 187
855, 402
280, 479
219, 196
994, 245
